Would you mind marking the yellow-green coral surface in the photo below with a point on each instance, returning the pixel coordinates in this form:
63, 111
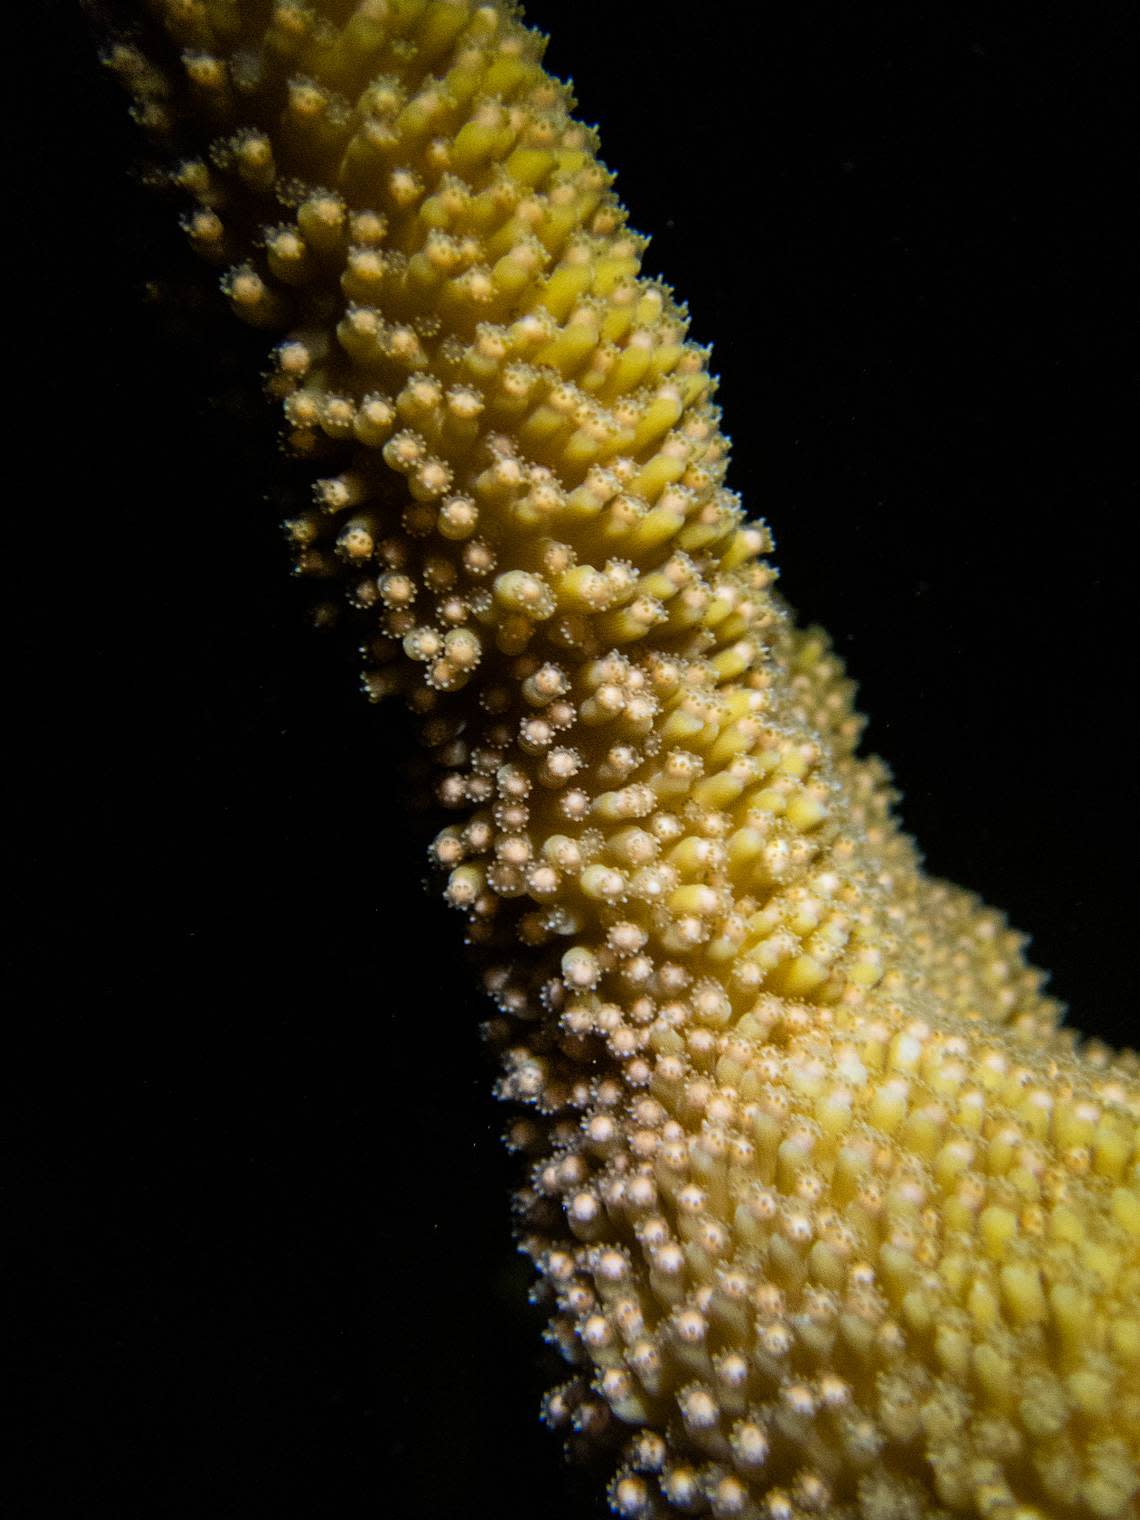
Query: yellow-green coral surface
830, 1217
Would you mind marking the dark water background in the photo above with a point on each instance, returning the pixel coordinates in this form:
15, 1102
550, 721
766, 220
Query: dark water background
267, 1198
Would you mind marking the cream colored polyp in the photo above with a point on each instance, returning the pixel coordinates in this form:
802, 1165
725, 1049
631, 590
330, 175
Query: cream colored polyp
829, 1216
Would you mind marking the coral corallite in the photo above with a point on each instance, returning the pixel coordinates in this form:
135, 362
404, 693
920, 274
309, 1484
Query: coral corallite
829, 1215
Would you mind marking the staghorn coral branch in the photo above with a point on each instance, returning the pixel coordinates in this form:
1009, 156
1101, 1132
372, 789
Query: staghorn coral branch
828, 1213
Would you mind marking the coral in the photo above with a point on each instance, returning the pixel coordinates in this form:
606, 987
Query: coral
829, 1213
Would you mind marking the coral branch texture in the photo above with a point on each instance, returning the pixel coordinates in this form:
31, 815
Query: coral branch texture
829, 1215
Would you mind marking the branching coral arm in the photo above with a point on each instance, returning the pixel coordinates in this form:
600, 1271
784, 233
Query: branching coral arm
829, 1215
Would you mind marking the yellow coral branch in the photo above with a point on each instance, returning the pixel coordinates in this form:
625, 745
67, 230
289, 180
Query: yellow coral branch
829, 1214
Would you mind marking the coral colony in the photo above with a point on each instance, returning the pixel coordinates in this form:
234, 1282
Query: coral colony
829, 1215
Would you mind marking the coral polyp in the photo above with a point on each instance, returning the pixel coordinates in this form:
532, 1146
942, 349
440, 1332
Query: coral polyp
830, 1214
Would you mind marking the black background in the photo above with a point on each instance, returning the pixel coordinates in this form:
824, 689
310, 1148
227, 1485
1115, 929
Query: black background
267, 1199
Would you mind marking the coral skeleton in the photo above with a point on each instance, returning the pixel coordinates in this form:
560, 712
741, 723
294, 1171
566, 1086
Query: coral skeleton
830, 1215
